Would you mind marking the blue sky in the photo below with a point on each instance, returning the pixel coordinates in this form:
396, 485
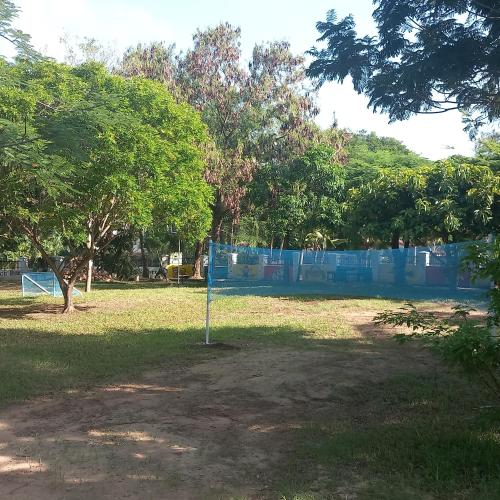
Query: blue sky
122, 23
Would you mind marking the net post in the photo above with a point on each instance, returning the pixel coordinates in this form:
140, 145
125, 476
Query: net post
209, 298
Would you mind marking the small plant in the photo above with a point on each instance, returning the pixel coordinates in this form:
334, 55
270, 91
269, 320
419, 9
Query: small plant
483, 261
459, 340
471, 345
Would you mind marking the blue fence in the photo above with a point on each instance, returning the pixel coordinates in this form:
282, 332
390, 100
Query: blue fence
430, 272
42, 284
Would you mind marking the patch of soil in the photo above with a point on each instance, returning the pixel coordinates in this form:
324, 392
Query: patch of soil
218, 429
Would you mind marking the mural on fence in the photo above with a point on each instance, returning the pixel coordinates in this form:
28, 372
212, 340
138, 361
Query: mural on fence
418, 272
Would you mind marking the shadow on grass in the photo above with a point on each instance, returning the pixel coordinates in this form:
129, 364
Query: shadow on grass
22, 311
146, 285
33, 362
412, 460
438, 437
403, 436
342, 291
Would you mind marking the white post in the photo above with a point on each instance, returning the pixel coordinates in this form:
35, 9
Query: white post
209, 294
179, 265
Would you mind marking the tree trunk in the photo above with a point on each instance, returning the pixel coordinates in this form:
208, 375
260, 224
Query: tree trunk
67, 291
66, 288
217, 216
88, 282
197, 260
285, 244
144, 260
395, 240
90, 265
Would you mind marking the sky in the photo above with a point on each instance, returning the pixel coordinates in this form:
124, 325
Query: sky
123, 23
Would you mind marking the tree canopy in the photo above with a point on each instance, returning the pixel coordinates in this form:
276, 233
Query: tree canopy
101, 154
428, 57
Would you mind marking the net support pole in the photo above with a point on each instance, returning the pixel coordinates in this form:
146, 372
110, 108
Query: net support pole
209, 294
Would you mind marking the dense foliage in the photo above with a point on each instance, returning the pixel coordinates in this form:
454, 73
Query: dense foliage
428, 57
86, 155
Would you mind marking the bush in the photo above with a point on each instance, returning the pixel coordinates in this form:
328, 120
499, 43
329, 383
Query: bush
457, 339
483, 261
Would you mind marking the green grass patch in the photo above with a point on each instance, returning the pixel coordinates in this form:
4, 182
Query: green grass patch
124, 328
411, 436
438, 444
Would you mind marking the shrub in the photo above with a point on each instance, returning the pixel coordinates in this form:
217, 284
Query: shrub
458, 340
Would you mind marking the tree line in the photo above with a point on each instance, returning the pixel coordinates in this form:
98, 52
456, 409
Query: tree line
99, 151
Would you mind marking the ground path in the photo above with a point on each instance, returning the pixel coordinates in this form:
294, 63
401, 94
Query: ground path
221, 428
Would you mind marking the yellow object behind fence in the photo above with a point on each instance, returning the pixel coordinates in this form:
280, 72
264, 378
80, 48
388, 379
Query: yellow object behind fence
186, 270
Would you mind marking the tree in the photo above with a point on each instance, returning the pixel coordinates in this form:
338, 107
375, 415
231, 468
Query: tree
214, 82
110, 154
154, 61
384, 209
87, 49
459, 201
370, 150
303, 196
255, 116
446, 201
488, 151
429, 57
367, 152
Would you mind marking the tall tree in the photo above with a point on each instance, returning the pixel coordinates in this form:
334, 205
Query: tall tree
255, 116
154, 61
303, 196
215, 83
110, 154
429, 57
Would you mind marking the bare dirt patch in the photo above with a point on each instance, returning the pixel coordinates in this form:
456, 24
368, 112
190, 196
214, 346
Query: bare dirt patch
218, 429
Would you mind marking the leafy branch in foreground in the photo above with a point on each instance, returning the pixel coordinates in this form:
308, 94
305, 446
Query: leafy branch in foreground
457, 339
427, 57
14, 36
483, 261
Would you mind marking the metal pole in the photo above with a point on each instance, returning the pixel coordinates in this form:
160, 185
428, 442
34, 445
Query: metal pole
209, 293
179, 265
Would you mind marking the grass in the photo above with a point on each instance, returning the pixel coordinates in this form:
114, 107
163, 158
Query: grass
442, 454
411, 436
126, 328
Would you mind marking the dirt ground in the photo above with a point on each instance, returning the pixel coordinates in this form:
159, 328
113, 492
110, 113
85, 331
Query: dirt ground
221, 428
